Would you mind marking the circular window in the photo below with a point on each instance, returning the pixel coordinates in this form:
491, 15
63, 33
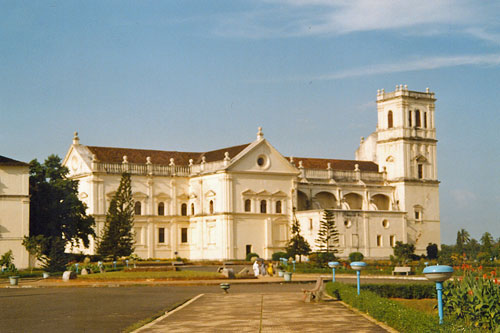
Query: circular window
385, 224
262, 161
347, 223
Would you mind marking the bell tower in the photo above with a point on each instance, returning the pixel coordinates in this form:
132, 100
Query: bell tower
406, 148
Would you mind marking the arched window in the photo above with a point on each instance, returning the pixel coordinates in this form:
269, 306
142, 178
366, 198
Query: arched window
389, 119
137, 208
161, 209
278, 207
420, 170
248, 205
211, 206
184, 209
192, 209
409, 119
417, 119
263, 206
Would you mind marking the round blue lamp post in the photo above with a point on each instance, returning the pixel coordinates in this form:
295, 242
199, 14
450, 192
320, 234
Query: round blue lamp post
76, 268
332, 265
439, 274
358, 266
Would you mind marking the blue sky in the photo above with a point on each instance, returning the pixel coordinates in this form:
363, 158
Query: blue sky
200, 75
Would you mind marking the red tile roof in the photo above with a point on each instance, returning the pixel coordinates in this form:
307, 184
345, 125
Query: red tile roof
322, 163
115, 155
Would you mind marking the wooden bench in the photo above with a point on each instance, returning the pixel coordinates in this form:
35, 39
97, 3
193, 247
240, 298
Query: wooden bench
315, 293
406, 270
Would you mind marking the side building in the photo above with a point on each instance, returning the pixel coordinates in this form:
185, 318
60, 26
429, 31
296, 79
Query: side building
14, 209
226, 203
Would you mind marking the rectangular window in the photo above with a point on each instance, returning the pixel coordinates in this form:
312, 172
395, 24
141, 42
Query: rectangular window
392, 240
248, 249
425, 119
409, 119
161, 235
379, 240
310, 224
420, 171
184, 235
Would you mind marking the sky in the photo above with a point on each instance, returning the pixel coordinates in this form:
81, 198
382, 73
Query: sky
202, 75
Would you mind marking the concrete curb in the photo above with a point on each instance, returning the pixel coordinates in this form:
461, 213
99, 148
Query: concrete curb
150, 324
368, 317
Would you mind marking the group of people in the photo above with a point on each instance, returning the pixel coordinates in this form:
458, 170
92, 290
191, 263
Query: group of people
262, 268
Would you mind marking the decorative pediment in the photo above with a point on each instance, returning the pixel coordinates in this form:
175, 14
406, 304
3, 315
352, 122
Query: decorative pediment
264, 193
210, 194
139, 195
279, 194
162, 196
389, 159
183, 196
248, 193
193, 196
420, 159
83, 195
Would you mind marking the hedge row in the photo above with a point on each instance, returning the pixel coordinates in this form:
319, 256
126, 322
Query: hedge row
408, 291
391, 313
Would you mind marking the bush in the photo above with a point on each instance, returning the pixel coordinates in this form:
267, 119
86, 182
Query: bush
391, 313
251, 255
321, 259
474, 299
408, 291
277, 255
356, 256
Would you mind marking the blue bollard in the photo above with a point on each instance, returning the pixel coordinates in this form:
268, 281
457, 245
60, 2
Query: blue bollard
293, 265
76, 268
126, 262
358, 273
358, 266
332, 265
439, 288
114, 264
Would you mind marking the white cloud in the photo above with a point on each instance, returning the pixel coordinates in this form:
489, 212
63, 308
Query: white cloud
287, 18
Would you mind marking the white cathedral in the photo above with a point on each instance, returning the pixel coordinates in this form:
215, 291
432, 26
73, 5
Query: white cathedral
225, 203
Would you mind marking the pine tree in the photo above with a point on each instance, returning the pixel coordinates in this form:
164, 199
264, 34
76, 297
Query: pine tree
328, 236
117, 239
297, 244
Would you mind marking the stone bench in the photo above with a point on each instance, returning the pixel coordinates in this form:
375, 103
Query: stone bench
316, 293
399, 270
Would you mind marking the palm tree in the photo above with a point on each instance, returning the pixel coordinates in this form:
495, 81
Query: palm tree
463, 237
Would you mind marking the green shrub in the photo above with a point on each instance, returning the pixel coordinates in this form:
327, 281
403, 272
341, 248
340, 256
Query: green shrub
251, 255
356, 256
321, 259
475, 300
391, 313
277, 255
408, 291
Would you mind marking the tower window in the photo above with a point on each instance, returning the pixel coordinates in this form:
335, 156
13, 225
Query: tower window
137, 208
192, 209
184, 209
420, 170
248, 205
184, 235
425, 119
161, 209
310, 224
389, 119
161, 235
211, 206
278, 207
417, 119
409, 119
263, 206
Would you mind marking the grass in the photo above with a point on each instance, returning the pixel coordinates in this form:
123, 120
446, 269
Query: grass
424, 305
167, 275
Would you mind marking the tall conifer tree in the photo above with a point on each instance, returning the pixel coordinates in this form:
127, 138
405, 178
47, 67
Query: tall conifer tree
328, 236
117, 239
297, 244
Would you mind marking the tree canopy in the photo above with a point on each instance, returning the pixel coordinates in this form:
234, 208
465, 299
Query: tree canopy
57, 216
297, 244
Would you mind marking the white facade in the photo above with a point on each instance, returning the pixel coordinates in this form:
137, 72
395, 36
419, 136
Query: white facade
14, 209
226, 203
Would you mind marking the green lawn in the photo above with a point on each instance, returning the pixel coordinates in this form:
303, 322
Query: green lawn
167, 275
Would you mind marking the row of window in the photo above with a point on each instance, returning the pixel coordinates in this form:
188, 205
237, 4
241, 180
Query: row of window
418, 119
161, 208
161, 235
263, 206
392, 241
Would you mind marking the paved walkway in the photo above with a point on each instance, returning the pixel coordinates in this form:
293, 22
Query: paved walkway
266, 312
